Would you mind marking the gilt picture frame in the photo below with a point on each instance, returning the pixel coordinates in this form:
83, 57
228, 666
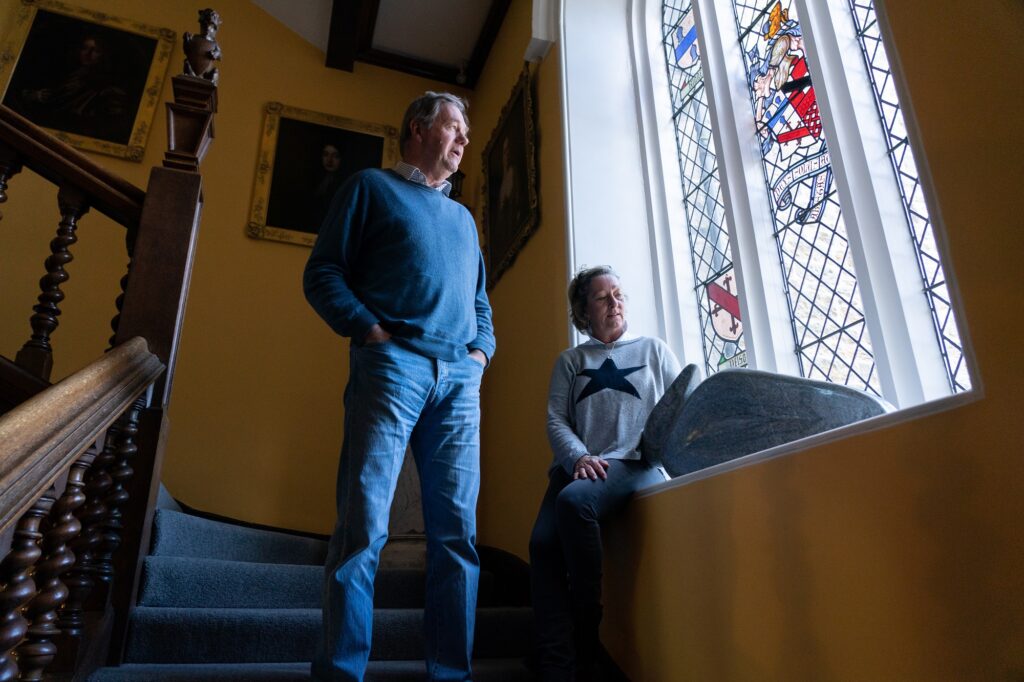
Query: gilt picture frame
304, 157
91, 79
511, 208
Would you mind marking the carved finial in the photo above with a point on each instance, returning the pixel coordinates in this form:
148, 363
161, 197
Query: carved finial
190, 115
202, 51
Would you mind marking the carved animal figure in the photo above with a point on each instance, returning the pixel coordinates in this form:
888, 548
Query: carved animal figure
202, 51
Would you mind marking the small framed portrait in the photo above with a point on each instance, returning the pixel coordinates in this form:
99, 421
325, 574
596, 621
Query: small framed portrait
91, 79
510, 182
304, 158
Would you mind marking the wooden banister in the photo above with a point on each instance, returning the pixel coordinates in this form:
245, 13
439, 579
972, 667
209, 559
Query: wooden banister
80, 460
42, 437
64, 166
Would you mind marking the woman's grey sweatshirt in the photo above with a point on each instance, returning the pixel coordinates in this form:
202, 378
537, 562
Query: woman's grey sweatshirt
600, 396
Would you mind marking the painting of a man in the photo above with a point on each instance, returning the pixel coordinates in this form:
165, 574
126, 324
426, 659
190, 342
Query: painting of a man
81, 78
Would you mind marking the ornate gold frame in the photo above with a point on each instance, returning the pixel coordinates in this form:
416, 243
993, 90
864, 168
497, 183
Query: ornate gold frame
151, 95
501, 249
257, 227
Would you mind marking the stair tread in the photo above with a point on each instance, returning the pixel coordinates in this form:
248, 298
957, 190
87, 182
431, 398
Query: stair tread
179, 534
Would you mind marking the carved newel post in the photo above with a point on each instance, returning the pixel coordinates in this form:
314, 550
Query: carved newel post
190, 115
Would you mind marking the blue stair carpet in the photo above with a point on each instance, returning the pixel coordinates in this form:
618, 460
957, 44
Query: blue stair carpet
179, 534
173, 635
212, 583
222, 601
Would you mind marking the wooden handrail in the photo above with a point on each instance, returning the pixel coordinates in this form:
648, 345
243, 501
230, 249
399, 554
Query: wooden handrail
41, 437
62, 165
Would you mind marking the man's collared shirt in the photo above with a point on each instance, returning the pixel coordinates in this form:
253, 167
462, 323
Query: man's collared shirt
414, 174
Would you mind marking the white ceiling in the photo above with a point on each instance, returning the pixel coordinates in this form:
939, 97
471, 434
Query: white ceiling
438, 31
311, 19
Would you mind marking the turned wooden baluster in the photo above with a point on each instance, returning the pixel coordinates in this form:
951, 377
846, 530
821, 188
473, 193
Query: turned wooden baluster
36, 355
120, 473
119, 304
10, 165
91, 515
18, 586
129, 242
38, 650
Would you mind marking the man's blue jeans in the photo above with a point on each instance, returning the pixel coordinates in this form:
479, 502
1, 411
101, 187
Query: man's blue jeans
397, 397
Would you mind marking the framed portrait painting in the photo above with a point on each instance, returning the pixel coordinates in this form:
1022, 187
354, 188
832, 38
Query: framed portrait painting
91, 79
304, 157
510, 212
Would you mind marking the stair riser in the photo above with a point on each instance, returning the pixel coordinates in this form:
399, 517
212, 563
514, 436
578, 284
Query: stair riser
160, 635
198, 583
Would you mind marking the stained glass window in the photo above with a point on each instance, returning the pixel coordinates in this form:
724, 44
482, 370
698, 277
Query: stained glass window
783, 146
832, 339
905, 167
707, 232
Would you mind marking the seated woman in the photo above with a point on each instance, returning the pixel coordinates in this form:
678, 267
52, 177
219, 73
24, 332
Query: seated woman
601, 393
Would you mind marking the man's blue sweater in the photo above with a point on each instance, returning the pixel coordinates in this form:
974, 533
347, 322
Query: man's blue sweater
405, 256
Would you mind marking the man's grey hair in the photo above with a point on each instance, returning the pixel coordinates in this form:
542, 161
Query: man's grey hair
424, 110
579, 289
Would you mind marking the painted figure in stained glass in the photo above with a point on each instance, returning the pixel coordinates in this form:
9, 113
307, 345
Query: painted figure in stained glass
788, 117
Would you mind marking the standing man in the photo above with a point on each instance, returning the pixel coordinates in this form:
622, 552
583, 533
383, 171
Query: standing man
397, 268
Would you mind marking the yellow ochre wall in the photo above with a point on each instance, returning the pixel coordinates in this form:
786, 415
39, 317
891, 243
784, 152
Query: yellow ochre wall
530, 318
892, 555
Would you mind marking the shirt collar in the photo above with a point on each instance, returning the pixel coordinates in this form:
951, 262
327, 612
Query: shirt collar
626, 337
414, 174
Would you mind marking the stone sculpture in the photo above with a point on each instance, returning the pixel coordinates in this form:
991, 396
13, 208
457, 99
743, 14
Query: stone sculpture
738, 412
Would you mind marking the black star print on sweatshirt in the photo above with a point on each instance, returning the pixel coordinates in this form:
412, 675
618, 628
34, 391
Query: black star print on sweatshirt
608, 376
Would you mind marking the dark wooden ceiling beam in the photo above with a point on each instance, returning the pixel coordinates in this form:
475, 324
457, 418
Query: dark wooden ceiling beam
367, 19
485, 41
352, 23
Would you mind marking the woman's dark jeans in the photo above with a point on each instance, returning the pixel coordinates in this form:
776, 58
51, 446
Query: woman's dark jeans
565, 557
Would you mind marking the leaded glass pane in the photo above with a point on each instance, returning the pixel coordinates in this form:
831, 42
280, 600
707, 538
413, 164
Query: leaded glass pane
891, 118
707, 233
832, 340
